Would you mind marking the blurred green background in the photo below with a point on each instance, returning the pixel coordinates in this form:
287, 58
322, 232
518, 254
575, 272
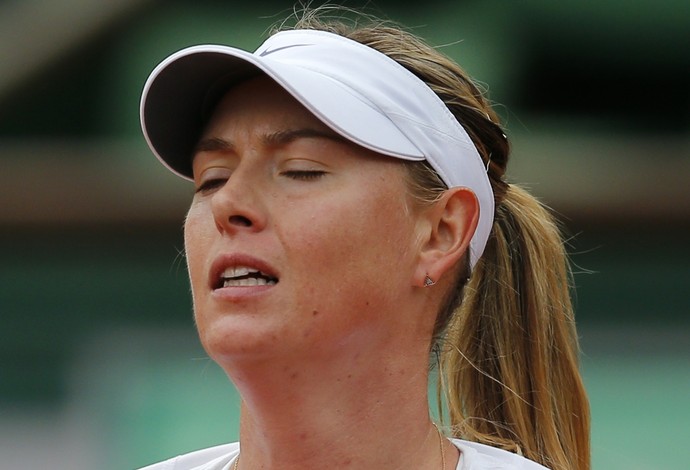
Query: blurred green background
99, 363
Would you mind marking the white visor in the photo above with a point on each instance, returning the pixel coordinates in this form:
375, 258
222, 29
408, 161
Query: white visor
360, 93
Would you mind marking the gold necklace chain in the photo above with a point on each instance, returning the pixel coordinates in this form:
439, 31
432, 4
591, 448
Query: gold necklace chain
440, 442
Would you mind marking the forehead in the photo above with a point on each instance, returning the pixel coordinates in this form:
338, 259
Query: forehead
257, 103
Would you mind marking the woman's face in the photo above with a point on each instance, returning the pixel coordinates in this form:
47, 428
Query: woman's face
298, 242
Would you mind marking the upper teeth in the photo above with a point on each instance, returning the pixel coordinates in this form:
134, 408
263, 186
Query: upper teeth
238, 271
236, 276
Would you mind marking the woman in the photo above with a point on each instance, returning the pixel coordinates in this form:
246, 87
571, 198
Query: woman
351, 217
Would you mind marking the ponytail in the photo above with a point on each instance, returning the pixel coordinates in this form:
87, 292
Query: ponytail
510, 361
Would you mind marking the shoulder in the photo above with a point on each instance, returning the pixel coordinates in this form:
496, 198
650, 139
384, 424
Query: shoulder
213, 458
476, 456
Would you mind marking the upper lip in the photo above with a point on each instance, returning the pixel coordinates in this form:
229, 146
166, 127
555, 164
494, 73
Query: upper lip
238, 260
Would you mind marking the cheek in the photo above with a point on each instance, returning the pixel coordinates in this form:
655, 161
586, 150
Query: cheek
196, 242
353, 243
325, 236
355, 273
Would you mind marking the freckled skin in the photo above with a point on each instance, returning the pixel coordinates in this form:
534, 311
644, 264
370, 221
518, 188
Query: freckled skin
343, 244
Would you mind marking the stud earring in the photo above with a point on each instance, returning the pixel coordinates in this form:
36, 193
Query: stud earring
428, 282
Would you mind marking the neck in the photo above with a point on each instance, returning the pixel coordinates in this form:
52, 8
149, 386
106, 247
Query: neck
350, 413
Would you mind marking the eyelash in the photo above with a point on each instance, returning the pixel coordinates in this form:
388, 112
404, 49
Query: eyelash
209, 185
304, 175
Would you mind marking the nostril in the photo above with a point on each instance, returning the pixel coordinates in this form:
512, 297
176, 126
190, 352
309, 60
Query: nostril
240, 220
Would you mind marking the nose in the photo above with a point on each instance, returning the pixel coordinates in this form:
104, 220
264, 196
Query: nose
238, 205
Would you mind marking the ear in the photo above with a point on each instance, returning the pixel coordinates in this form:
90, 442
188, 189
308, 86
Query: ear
452, 222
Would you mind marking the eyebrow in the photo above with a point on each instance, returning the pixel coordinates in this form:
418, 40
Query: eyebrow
274, 139
289, 135
212, 144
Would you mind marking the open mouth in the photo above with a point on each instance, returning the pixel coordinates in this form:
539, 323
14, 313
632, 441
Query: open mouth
244, 276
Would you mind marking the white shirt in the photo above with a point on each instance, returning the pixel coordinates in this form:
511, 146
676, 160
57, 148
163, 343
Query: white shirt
473, 456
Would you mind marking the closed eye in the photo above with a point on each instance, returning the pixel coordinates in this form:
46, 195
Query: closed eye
303, 174
210, 185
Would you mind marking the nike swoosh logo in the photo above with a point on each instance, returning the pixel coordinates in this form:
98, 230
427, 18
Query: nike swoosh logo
271, 51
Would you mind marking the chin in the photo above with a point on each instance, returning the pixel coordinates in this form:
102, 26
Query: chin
231, 338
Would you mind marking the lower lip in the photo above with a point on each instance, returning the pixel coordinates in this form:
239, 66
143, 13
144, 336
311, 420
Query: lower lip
240, 292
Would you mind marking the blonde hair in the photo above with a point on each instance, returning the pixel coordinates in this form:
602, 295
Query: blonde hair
508, 346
